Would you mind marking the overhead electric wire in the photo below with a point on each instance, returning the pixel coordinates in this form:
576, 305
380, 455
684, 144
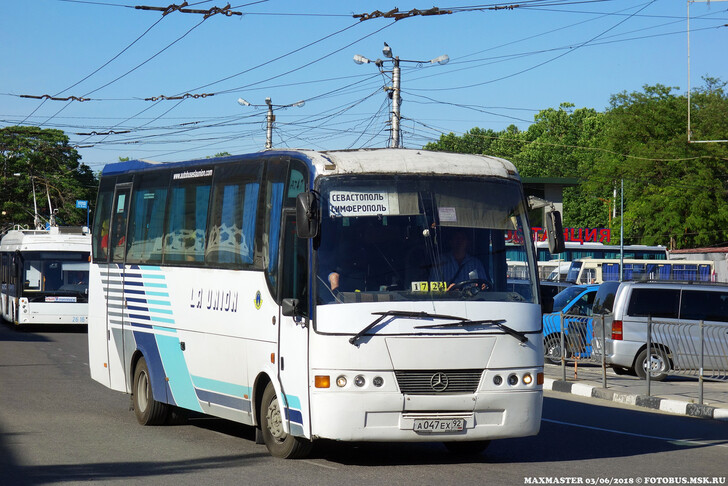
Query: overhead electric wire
531, 68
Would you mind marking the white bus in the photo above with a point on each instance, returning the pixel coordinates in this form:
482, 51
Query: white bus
44, 275
307, 294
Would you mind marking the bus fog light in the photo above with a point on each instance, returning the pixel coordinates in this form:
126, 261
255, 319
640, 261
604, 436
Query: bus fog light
512, 380
341, 381
378, 381
497, 380
527, 379
359, 381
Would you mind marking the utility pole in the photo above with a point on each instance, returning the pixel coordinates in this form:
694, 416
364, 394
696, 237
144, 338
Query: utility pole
396, 102
270, 117
394, 90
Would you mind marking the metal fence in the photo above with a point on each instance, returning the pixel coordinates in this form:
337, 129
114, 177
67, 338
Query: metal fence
689, 348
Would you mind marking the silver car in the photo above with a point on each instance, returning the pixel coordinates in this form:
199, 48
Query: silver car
676, 311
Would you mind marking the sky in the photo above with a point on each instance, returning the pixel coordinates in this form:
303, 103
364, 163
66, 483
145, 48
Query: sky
113, 68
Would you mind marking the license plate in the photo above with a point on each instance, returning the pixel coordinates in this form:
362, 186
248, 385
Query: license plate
439, 425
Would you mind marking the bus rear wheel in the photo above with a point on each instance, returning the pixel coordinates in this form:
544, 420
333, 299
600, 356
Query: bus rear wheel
279, 443
148, 411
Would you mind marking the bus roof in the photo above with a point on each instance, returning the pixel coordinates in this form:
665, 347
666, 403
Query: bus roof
54, 239
354, 162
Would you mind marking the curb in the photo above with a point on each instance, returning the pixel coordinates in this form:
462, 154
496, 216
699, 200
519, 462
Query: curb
656, 403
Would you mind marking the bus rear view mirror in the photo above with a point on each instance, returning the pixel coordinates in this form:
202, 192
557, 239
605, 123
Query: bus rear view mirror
307, 219
554, 232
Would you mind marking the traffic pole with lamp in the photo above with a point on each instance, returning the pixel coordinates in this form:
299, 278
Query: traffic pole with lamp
270, 117
396, 82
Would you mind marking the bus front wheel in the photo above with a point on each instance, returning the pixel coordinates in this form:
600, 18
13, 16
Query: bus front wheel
148, 411
278, 442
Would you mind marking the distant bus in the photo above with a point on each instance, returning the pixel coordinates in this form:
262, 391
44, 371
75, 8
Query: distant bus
310, 295
44, 276
593, 270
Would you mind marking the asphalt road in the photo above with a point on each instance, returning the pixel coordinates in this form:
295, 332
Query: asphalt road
59, 426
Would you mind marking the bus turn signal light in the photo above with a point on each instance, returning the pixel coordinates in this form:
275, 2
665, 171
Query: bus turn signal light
322, 381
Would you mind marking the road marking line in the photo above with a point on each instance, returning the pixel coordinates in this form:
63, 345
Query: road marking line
319, 465
633, 434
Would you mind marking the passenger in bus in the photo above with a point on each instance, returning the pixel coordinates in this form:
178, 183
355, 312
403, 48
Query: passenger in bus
458, 265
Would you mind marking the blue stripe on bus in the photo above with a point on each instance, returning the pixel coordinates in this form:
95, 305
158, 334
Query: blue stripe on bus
143, 309
132, 275
224, 400
138, 301
134, 291
294, 416
154, 276
147, 344
137, 316
180, 382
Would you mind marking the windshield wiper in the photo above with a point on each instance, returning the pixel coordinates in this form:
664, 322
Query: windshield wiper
403, 314
495, 322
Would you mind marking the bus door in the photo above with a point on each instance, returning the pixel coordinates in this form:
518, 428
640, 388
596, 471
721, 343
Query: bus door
115, 285
293, 330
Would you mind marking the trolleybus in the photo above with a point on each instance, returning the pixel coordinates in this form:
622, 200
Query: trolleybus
44, 275
320, 295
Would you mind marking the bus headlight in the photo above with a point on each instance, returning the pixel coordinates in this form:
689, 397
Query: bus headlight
527, 379
341, 381
378, 381
359, 381
512, 380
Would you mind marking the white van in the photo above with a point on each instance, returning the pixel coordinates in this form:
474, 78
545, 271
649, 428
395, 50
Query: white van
676, 310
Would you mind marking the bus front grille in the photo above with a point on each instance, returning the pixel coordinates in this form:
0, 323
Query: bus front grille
420, 382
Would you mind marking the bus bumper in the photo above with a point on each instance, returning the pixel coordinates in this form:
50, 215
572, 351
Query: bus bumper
392, 416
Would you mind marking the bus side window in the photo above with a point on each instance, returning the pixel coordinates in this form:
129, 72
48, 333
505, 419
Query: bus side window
101, 220
294, 277
146, 220
184, 239
233, 217
275, 182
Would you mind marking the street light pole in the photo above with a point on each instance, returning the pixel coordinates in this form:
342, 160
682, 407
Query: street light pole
396, 102
269, 130
396, 84
270, 117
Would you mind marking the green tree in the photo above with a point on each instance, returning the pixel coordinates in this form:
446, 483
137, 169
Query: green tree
42, 159
675, 191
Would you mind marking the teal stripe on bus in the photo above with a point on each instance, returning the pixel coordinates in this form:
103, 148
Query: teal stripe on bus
175, 367
221, 387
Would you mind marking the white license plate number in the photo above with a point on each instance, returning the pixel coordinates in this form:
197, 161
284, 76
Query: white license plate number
439, 425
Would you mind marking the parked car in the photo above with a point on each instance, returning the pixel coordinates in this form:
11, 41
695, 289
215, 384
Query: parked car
676, 310
548, 291
576, 304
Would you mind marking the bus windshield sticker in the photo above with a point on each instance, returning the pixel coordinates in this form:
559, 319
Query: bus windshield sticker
429, 286
363, 203
447, 215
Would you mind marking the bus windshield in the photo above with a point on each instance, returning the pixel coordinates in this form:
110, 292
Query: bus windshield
421, 238
57, 274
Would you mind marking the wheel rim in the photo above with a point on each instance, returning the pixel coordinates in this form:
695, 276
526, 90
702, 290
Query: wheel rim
654, 364
142, 387
275, 422
553, 350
